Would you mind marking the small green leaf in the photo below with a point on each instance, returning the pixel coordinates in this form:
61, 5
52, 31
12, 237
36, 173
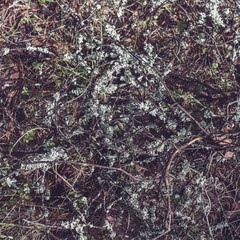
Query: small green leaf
26, 185
29, 136
13, 200
43, 1
24, 20
181, 26
51, 145
5, 237
215, 65
26, 197
145, 3
70, 193
37, 65
120, 126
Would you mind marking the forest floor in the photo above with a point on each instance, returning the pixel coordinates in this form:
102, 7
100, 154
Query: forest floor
119, 119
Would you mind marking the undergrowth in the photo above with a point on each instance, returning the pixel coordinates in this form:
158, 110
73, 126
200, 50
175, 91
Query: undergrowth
119, 119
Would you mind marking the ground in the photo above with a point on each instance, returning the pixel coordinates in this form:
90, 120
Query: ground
119, 119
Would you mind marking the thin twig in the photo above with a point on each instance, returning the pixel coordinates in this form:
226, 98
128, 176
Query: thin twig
38, 128
190, 116
166, 177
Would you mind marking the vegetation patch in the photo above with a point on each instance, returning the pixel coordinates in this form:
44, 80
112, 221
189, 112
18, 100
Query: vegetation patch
119, 119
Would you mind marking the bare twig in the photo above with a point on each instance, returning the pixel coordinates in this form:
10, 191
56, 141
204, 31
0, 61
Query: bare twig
166, 177
191, 117
38, 128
